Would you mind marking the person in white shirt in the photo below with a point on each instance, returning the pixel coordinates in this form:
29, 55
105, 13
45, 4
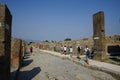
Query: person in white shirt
71, 51
65, 49
87, 52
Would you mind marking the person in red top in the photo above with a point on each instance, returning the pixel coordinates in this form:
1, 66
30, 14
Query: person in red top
31, 49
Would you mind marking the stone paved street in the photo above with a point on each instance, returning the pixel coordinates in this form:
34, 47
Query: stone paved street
43, 66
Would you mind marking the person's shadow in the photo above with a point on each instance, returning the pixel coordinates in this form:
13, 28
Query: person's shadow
29, 75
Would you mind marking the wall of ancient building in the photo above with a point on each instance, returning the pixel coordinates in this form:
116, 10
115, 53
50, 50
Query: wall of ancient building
5, 41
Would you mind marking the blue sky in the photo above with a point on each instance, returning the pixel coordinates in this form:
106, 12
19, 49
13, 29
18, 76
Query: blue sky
40, 20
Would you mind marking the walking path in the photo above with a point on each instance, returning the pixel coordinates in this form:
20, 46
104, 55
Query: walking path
43, 66
112, 69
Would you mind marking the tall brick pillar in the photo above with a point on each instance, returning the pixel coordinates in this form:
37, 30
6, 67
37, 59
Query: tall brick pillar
5, 42
99, 35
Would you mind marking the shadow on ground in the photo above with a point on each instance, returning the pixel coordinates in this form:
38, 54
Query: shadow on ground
25, 75
17, 72
29, 75
26, 57
26, 62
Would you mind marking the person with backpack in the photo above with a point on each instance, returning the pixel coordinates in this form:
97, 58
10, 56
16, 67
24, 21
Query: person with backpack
87, 52
65, 50
78, 52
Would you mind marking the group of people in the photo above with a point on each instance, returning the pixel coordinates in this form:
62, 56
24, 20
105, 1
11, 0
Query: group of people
64, 50
70, 49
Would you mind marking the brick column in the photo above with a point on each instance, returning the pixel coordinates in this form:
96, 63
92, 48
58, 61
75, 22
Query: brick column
16, 53
99, 35
5, 42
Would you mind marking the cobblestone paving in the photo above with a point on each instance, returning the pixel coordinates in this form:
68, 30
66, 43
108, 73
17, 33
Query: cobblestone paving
43, 66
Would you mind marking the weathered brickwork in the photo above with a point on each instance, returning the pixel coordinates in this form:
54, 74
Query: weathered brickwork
15, 52
115, 39
99, 36
5, 42
18, 49
24, 46
113, 45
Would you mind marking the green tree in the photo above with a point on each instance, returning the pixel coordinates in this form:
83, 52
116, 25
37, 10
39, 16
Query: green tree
68, 39
46, 41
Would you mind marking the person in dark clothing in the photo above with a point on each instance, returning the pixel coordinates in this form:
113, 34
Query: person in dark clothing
92, 54
78, 52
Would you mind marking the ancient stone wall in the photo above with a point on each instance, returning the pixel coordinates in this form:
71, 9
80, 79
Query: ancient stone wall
57, 46
18, 49
24, 47
113, 45
5, 42
115, 39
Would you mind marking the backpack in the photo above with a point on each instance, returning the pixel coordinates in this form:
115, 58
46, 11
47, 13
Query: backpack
88, 51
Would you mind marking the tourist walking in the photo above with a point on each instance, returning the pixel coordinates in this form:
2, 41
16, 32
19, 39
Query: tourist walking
31, 49
78, 51
70, 51
87, 52
65, 50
